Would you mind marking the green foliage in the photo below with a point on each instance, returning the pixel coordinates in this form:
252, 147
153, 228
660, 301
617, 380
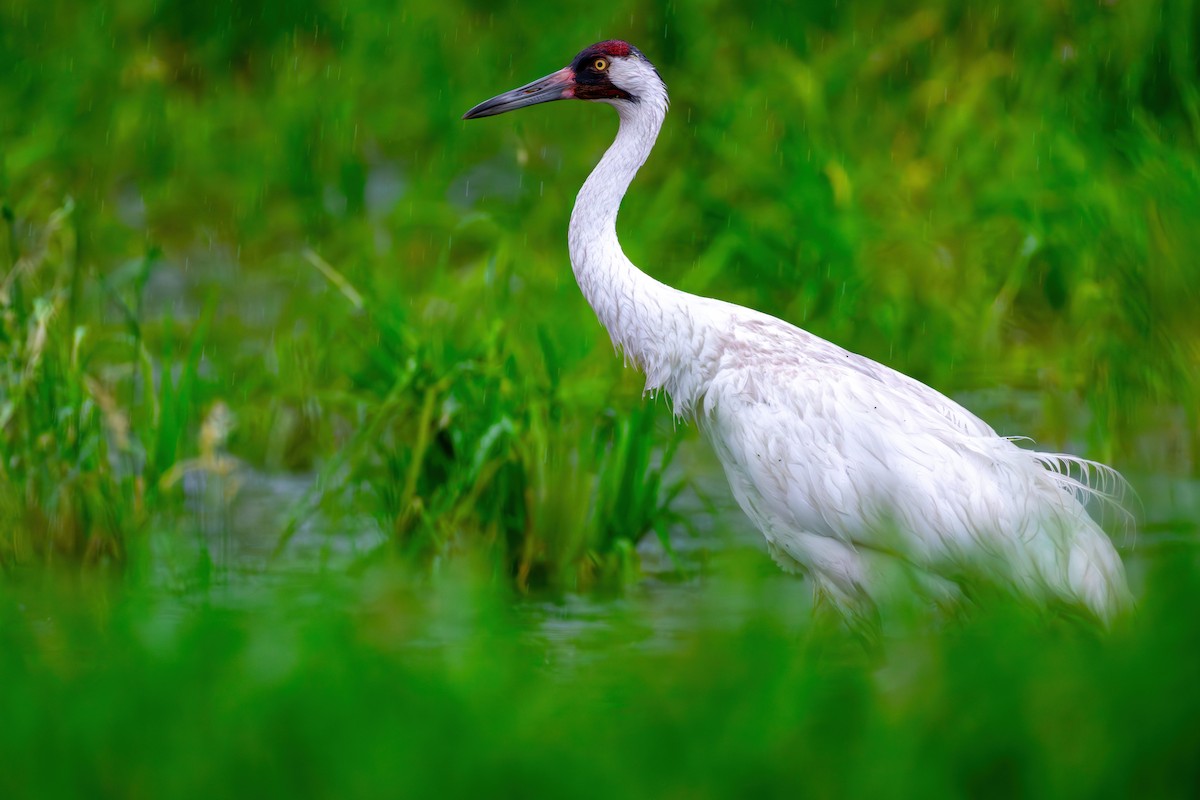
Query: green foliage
90, 422
319, 688
978, 198
279, 221
59, 490
253, 241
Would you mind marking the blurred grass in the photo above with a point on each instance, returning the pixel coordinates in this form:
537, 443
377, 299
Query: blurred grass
247, 242
274, 211
324, 688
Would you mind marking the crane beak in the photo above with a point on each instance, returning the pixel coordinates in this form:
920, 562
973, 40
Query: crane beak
555, 86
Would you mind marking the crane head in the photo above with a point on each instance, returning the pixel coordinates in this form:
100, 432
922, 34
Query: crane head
615, 72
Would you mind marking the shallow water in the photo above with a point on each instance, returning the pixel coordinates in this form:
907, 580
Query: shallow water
238, 521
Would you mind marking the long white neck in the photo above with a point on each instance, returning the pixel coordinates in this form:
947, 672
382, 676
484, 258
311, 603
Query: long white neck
648, 320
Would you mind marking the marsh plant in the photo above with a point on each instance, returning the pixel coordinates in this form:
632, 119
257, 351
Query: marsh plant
250, 245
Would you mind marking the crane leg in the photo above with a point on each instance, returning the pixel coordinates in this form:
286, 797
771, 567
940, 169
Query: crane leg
837, 570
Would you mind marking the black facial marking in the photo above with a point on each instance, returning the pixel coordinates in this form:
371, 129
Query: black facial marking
594, 84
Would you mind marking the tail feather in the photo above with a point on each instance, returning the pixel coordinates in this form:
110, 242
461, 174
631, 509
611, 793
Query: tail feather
1096, 576
1090, 480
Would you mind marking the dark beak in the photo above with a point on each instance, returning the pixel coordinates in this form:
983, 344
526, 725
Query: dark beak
556, 86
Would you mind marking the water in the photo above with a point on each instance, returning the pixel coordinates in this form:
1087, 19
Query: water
705, 586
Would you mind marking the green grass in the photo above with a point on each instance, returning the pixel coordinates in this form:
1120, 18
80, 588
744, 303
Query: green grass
328, 687
280, 213
253, 244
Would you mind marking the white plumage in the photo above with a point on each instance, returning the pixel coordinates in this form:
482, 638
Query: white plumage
839, 461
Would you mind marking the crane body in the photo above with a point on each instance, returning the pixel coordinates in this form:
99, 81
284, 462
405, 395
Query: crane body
833, 456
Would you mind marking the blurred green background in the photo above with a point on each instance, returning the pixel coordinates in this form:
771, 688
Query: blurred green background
318, 475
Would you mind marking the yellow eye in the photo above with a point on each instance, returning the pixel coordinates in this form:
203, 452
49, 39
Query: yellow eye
600, 64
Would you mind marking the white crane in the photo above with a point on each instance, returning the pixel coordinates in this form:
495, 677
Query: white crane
839, 461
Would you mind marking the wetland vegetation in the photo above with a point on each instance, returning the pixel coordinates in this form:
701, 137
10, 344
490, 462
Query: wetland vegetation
318, 476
